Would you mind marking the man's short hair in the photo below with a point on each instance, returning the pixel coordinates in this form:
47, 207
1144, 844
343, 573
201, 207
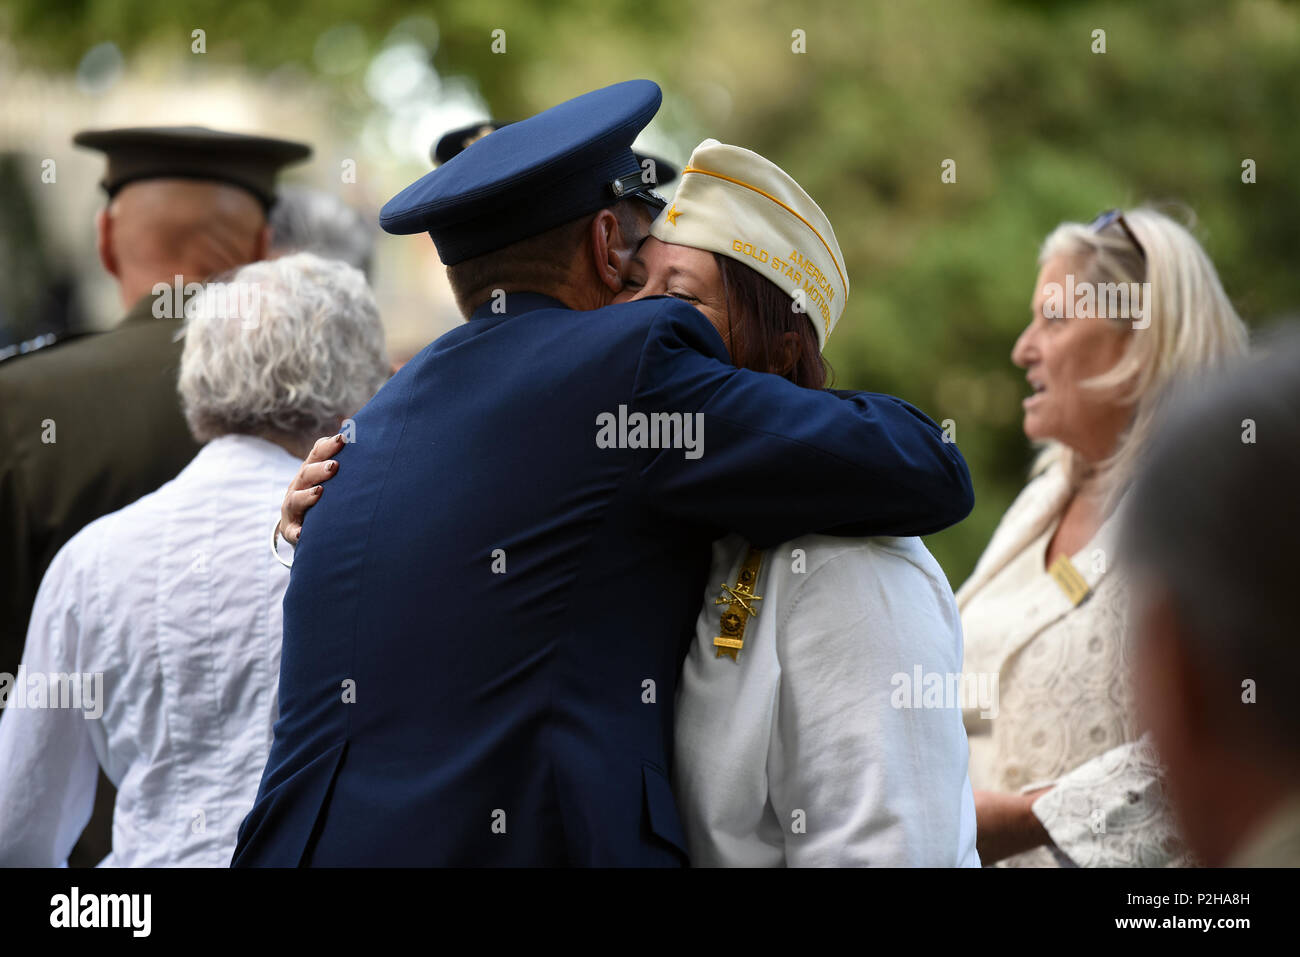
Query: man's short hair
539, 263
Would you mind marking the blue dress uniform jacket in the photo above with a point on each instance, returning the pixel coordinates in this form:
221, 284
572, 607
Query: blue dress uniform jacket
445, 703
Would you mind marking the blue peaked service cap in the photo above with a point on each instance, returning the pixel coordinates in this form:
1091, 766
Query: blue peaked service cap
530, 176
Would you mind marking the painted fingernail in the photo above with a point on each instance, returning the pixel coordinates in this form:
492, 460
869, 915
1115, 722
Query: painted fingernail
331, 466
316, 490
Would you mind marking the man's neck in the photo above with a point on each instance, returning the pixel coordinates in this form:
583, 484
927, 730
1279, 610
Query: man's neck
133, 291
582, 296
570, 295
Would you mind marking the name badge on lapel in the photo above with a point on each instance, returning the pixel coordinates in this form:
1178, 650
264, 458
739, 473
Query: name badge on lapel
1071, 581
740, 600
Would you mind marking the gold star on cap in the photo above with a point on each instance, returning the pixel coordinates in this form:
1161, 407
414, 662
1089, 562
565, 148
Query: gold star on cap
672, 214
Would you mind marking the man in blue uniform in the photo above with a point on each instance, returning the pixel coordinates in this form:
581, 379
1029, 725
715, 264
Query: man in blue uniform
484, 627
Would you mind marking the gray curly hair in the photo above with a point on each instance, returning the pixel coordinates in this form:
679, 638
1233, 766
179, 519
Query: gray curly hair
285, 347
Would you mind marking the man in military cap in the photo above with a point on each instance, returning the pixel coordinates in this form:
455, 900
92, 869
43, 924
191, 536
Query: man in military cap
90, 425
484, 625
655, 171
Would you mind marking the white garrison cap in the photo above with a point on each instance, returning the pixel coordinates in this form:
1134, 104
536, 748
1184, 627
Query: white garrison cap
734, 202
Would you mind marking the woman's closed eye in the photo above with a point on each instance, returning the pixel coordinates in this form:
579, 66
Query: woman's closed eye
683, 295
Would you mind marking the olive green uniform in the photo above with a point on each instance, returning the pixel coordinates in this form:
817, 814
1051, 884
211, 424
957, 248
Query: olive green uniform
86, 427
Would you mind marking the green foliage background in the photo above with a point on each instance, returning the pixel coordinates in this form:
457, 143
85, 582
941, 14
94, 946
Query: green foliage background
1041, 128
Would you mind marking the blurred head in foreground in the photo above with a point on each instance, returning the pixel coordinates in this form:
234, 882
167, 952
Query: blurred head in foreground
1210, 540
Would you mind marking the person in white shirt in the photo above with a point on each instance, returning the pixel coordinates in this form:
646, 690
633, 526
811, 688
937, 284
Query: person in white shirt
817, 746
825, 730
157, 627
818, 718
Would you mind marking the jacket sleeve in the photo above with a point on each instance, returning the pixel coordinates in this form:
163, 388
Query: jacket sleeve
50, 771
858, 773
776, 461
1112, 811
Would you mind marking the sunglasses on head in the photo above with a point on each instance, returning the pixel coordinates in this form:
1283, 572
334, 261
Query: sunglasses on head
1111, 217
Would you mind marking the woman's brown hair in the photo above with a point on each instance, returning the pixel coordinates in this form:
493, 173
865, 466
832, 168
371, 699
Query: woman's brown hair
762, 313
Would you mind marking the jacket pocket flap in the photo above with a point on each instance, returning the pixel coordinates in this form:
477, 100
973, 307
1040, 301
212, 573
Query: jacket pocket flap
278, 830
662, 807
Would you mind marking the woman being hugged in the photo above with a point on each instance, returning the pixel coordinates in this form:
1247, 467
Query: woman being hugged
795, 744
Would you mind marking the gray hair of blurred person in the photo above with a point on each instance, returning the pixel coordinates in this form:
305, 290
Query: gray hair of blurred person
1212, 523
307, 355
312, 221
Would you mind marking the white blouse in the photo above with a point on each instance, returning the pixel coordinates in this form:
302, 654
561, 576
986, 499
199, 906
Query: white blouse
1065, 712
812, 749
175, 601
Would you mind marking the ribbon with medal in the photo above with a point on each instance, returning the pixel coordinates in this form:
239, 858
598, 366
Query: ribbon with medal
740, 600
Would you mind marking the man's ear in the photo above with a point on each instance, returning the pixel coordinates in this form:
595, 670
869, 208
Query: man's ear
610, 250
104, 243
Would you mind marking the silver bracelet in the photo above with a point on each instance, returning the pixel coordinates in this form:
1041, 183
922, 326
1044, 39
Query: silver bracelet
275, 550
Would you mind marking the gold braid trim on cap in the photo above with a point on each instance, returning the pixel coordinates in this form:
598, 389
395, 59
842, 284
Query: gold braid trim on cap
844, 283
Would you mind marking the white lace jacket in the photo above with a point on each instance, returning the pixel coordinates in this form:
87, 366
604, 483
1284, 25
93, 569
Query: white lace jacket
1064, 713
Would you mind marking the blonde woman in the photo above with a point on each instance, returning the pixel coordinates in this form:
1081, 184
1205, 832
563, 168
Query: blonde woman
1121, 308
